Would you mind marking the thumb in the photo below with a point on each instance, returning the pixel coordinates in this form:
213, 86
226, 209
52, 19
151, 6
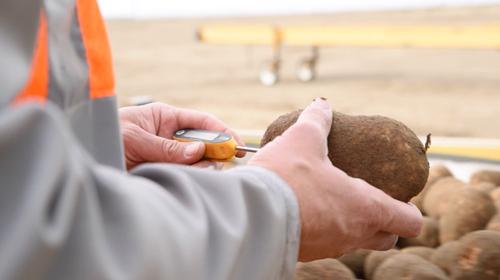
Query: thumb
310, 132
306, 138
319, 113
178, 152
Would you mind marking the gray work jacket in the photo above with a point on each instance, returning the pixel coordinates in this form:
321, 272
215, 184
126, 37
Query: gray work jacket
69, 210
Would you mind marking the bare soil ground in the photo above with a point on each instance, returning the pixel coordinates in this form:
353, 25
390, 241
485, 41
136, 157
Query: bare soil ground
446, 92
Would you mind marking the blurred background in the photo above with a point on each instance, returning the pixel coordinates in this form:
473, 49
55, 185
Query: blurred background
447, 91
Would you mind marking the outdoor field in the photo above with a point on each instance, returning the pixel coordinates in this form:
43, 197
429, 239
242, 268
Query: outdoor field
446, 92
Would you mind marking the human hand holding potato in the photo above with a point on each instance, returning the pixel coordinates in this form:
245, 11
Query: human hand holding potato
338, 213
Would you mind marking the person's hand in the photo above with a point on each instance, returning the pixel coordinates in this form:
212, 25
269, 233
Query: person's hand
147, 132
338, 213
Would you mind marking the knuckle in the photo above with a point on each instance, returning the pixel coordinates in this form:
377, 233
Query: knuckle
170, 149
303, 166
158, 109
129, 131
157, 104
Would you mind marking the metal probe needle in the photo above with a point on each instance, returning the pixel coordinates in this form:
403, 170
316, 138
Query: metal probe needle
247, 149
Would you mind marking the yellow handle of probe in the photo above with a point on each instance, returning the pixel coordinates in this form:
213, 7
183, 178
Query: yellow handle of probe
216, 151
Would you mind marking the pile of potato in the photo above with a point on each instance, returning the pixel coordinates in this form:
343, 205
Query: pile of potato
460, 238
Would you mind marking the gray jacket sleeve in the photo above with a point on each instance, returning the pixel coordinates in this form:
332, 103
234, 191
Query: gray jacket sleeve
63, 216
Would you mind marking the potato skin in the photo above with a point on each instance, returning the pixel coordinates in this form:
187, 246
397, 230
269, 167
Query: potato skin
323, 269
421, 251
379, 150
439, 171
486, 187
439, 196
494, 223
436, 172
408, 266
495, 195
355, 261
477, 257
471, 210
428, 236
444, 254
374, 259
492, 176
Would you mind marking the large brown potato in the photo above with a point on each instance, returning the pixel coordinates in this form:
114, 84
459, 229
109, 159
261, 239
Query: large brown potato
408, 266
382, 151
323, 269
471, 210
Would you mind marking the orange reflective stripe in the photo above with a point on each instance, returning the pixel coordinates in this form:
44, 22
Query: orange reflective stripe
97, 49
36, 88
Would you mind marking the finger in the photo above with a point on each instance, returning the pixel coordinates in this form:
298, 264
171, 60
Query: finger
380, 241
404, 219
391, 215
159, 149
187, 118
318, 112
311, 130
209, 164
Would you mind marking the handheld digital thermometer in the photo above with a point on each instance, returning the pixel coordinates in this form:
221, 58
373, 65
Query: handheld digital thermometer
218, 145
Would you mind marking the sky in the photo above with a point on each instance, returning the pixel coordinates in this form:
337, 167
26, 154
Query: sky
214, 8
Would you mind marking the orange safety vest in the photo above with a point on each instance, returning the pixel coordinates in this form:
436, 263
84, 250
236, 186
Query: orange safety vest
71, 68
97, 50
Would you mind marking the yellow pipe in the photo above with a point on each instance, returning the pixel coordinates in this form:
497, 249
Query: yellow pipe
485, 153
475, 37
239, 34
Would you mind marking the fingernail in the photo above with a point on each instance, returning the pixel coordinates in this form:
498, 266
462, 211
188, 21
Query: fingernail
322, 102
192, 149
